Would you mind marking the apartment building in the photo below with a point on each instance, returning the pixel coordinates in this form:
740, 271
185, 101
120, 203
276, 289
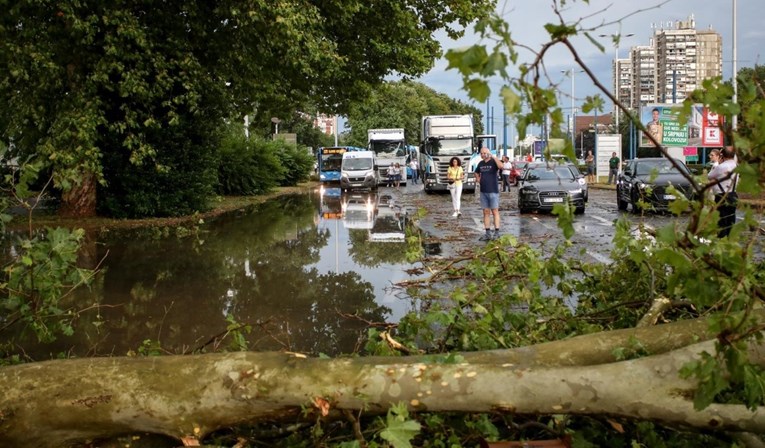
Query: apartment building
643, 81
676, 61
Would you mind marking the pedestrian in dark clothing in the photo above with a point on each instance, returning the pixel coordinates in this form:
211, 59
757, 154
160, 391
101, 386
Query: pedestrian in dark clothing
613, 168
486, 176
725, 190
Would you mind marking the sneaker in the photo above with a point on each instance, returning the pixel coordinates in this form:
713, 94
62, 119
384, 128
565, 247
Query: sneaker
455, 214
485, 237
495, 235
459, 213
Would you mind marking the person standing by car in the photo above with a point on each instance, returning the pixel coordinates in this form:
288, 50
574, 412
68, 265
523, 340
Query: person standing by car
507, 167
454, 176
590, 162
414, 167
613, 168
394, 175
724, 189
486, 177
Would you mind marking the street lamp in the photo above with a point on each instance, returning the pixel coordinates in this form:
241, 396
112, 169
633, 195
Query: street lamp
616, 38
735, 82
571, 72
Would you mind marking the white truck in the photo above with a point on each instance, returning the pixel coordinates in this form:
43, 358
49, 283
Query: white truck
389, 145
444, 137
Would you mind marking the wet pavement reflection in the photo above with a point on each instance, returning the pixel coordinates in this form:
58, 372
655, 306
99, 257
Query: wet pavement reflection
304, 273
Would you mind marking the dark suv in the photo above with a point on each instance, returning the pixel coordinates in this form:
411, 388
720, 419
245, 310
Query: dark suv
648, 180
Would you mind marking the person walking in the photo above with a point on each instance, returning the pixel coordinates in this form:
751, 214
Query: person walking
414, 166
724, 188
507, 167
613, 168
486, 177
454, 176
590, 162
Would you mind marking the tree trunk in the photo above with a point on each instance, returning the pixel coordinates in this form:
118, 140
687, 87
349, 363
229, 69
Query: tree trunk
54, 403
80, 200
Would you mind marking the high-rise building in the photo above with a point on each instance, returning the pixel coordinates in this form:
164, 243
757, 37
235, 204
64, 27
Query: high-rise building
325, 123
674, 64
684, 59
623, 81
709, 55
643, 58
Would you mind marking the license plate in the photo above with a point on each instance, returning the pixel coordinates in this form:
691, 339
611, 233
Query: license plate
669, 197
552, 200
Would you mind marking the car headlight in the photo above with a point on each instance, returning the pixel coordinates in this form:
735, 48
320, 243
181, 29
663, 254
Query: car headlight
577, 191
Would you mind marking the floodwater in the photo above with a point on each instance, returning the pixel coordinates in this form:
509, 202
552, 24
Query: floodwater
305, 273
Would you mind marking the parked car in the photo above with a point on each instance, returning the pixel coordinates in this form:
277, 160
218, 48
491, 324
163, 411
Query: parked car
543, 185
648, 180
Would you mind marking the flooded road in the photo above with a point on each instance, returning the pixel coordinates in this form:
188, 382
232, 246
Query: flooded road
306, 272
302, 273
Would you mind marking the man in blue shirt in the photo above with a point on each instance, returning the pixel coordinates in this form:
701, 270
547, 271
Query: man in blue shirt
486, 173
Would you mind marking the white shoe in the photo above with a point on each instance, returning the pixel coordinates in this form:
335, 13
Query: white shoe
455, 214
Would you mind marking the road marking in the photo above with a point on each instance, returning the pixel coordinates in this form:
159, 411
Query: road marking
605, 221
600, 257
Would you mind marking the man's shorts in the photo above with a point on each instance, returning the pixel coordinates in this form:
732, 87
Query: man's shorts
489, 200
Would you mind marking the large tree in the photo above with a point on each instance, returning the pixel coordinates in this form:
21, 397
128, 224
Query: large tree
402, 104
81, 80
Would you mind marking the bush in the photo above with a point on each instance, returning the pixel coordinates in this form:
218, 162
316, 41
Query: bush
249, 166
298, 164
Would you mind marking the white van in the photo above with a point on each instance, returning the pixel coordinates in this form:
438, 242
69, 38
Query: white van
359, 171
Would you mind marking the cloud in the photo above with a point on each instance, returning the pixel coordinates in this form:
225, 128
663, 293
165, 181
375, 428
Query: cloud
526, 20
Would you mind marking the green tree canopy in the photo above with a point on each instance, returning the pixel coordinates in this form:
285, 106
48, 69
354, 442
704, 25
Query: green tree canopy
401, 104
83, 79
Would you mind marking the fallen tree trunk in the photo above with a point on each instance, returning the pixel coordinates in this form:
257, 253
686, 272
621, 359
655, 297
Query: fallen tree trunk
55, 403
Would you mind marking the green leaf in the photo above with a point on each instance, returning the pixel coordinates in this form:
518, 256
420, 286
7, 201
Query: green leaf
478, 89
399, 430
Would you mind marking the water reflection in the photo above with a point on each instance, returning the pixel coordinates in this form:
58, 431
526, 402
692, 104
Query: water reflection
289, 269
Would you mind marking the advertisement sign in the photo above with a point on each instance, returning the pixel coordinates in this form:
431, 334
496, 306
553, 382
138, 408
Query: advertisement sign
539, 147
608, 144
711, 134
663, 122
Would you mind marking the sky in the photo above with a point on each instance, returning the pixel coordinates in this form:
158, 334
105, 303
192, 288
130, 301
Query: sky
527, 18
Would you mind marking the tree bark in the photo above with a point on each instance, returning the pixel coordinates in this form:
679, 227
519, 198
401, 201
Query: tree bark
80, 200
55, 403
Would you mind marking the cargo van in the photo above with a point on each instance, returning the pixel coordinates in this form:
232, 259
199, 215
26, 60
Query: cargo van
359, 171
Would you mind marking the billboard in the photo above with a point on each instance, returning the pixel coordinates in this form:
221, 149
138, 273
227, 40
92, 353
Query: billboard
663, 122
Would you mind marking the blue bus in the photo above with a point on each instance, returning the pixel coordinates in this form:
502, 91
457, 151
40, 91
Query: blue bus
330, 159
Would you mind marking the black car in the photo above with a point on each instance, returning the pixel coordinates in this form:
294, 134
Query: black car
648, 180
544, 185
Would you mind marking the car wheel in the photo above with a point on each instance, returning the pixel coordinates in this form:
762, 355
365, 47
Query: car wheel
579, 210
635, 207
619, 202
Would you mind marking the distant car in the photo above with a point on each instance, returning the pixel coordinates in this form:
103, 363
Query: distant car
648, 180
543, 185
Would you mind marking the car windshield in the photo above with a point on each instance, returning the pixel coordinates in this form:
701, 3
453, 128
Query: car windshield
452, 147
542, 173
387, 147
648, 167
357, 164
331, 162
